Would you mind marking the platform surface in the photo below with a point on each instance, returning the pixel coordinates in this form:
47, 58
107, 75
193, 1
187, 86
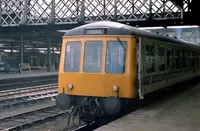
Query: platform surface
36, 73
176, 113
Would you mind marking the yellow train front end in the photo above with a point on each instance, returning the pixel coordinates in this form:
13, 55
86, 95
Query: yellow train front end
98, 68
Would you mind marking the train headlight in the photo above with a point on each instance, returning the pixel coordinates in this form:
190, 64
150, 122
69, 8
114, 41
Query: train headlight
69, 86
115, 88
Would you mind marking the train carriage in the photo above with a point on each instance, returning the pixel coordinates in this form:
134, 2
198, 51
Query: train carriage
107, 64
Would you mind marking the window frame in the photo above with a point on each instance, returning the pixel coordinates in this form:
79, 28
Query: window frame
153, 55
125, 54
102, 45
78, 70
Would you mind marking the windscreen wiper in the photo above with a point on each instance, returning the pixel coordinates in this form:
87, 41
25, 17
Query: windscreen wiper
124, 58
121, 43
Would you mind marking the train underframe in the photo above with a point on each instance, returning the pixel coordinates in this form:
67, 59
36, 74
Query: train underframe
90, 109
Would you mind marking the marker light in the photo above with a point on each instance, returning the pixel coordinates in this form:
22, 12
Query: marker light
69, 86
115, 88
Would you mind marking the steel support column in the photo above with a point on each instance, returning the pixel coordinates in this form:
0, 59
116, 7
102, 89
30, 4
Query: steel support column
104, 7
24, 16
133, 4
164, 3
11, 49
0, 12
49, 56
82, 14
150, 9
21, 50
115, 10
77, 8
51, 19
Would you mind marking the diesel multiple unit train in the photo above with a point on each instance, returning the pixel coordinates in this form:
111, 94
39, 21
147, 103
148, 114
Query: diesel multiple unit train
104, 65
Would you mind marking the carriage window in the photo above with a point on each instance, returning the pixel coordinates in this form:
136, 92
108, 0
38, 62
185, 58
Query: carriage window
168, 58
177, 52
173, 59
115, 57
93, 56
161, 51
193, 58
150, 59
161, 59
183, 58
189, 59
72, 57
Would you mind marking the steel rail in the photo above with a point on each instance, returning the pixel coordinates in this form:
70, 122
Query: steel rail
12, 92
29, 118
34, 98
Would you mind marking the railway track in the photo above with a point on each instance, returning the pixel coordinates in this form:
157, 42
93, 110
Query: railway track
38, 117
29, 107
27, 119
27, 100
39, 97
17, 83
14, 93
24, 96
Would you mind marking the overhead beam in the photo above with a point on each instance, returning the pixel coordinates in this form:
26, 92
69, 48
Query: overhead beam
30, 46
69, 15
18, 41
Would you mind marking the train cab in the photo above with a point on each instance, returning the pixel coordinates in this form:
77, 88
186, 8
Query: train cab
97, 62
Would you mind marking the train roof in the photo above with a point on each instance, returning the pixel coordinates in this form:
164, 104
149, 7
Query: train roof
115, 28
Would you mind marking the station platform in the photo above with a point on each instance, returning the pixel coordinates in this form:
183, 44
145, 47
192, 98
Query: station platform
27, 79
5, 76
180, 112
